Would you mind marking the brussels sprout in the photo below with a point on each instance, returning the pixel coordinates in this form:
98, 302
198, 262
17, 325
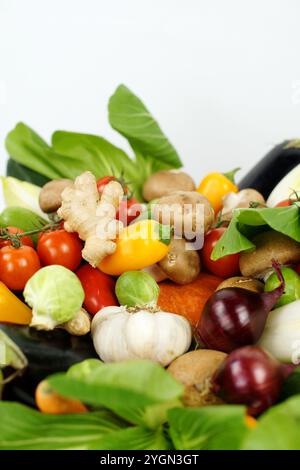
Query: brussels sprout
55, 295
136, 288
292, 286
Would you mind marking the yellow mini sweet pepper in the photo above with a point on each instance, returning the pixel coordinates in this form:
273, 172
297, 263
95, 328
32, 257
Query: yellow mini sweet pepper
215, 186
12, 309
139, 245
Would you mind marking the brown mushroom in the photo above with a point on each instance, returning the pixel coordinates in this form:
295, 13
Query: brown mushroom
194, 370
268, 246
50, 194
243, 199
243, 283
163, 182
181, 265
188, 212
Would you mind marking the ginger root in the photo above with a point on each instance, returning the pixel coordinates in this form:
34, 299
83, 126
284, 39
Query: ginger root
91, 216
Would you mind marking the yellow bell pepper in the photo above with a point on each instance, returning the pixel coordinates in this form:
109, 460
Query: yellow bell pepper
215, 186
139, 245
12, 309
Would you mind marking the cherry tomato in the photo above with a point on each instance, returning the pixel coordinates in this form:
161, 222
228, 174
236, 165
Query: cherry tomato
99, 289
17, 265
24, 240
102, 182
60, 247
223, 267
128, 210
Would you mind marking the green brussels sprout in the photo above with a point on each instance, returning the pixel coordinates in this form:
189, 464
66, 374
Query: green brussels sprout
136, 288
55, 295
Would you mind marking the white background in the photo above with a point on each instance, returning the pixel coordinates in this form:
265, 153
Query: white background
221, 77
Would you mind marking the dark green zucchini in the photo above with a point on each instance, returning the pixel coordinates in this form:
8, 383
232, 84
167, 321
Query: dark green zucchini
267, 173
47, 353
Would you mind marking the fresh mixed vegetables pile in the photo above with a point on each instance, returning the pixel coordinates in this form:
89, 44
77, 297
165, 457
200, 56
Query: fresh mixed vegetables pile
116, 333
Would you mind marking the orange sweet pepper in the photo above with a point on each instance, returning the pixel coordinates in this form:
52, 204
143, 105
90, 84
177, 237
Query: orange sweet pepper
12, 309
215, 186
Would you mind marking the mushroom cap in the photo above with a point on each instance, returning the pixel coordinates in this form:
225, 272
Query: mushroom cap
269, 246
195, 370
166, 181
181, 265
50, 194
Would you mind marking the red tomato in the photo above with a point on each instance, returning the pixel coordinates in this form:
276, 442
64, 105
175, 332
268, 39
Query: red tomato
223, 267
60, 247
286, 202
17, 265
102, 182
128, 210
24, 240
99, 289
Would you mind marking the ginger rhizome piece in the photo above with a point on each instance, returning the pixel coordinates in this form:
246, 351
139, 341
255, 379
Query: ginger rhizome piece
92, 216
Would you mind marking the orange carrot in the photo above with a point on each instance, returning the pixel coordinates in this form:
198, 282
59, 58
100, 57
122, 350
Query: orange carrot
50, 402
188, 300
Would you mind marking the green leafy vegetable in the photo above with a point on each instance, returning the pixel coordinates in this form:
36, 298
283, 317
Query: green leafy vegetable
139, 391
23, 428
247, 222
23, 173
82, 370
136, 288
136, 438
278, 428
146, 396
55, 295
70, 153
26, 147
99, 156
208, 428
129, 116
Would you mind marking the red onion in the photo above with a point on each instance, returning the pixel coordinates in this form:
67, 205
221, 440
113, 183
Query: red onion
251, 377
234, 317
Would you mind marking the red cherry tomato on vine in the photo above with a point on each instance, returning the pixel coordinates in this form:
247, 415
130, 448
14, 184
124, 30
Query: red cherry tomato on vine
102, 182
60, 247
223, 267
24, 240
99, 289
17, 265
128, 210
